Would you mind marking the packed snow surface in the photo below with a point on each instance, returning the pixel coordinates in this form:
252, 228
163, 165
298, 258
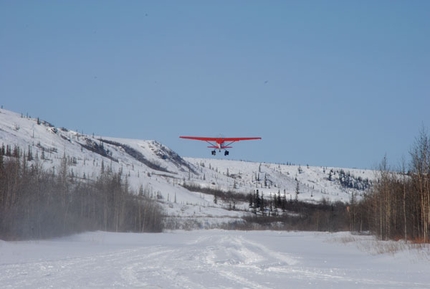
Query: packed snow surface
211, 259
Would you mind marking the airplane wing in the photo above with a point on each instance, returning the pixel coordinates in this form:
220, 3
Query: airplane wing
202, 138
220, 139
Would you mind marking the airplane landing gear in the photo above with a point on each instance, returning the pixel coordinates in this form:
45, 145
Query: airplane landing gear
226, 152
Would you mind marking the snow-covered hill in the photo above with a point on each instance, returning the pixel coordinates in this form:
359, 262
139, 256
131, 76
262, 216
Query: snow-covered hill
157, 170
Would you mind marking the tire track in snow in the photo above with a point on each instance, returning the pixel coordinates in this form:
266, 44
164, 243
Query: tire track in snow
221, 260
243, 262
94, 271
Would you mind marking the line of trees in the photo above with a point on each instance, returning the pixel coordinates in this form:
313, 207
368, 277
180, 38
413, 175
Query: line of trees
398, 205
303, 216
36, 203
276, 212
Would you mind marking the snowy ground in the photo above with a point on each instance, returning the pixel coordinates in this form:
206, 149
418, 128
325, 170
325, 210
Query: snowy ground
210, 259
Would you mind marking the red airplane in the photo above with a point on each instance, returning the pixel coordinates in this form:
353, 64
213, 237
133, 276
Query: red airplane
220, 143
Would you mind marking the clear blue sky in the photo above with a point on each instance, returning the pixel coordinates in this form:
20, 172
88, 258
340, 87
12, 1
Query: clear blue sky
326, 83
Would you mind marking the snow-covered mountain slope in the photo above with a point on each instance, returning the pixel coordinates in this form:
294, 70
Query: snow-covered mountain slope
157, 170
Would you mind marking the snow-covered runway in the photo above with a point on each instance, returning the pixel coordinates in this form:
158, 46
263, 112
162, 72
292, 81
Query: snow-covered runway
207, 259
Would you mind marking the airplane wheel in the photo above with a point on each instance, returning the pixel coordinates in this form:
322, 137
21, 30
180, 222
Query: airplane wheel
213, 152
226, 153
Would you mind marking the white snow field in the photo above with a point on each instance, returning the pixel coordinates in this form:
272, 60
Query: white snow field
211, 259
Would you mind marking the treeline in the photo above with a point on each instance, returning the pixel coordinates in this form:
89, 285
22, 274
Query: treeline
276, 212
398, 205
35, 203
302, 216
229, 197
